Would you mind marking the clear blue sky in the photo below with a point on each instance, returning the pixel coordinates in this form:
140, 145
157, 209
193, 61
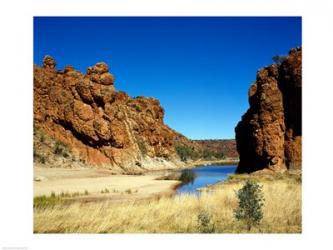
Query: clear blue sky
200, 68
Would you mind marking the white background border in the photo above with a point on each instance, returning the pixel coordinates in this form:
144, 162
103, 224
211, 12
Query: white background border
16, 229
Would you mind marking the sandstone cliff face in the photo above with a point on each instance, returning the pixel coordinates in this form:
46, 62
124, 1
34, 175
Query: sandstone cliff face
99, 125
269, 136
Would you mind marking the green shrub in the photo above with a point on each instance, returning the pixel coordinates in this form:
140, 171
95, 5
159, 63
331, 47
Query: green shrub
45, 201
38, 157
105, 191
61, 149
62, 194
142, 147
42, 159
138, 108
53, 199
219, 155
206, 154
42, 138
186, 152
204, 223
75, 194
211, 155
250, 202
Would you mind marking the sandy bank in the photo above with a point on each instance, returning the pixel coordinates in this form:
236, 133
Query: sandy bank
58, 180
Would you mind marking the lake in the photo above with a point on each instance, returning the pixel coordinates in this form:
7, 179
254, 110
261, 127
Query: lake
203, 176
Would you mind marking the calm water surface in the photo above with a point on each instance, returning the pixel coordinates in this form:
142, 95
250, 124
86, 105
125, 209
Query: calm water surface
206, 175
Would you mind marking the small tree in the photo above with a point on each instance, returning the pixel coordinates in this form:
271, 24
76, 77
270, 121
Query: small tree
185, 152
250, 202
204, 222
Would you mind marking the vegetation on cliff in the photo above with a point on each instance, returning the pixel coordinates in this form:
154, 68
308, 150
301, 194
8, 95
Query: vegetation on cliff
186, 153
226, 148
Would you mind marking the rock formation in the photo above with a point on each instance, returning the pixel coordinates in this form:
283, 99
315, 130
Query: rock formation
98, 125
269, 136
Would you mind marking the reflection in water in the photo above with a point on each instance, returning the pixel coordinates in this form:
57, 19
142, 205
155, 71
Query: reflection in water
187, 177
195, 178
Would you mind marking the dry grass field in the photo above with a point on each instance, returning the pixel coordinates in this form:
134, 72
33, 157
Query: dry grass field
177, 214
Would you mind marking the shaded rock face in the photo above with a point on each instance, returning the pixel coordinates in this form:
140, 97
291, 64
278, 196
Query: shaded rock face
269, 136
100, 125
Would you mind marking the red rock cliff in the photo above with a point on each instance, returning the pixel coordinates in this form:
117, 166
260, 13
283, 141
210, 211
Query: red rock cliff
99, 125
269, 136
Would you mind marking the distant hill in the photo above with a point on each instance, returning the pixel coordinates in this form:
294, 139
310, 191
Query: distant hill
227, 147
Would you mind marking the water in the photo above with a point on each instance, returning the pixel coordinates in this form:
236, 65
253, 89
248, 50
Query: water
205, 175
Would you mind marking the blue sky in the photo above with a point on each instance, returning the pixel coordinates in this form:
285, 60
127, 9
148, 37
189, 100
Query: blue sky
200, 68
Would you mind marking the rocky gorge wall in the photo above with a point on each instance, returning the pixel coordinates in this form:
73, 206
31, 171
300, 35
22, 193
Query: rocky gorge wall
99, 125
269, 135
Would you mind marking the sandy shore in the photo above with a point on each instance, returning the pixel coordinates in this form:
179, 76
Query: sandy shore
119, 187
58, 180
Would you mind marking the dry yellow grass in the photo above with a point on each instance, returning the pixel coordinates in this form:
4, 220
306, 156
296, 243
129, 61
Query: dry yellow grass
282, 213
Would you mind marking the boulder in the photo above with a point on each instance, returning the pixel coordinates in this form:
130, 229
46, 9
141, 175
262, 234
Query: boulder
49, 62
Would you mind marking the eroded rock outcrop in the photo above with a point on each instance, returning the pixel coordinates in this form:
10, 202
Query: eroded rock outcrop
269, 136
99, 125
